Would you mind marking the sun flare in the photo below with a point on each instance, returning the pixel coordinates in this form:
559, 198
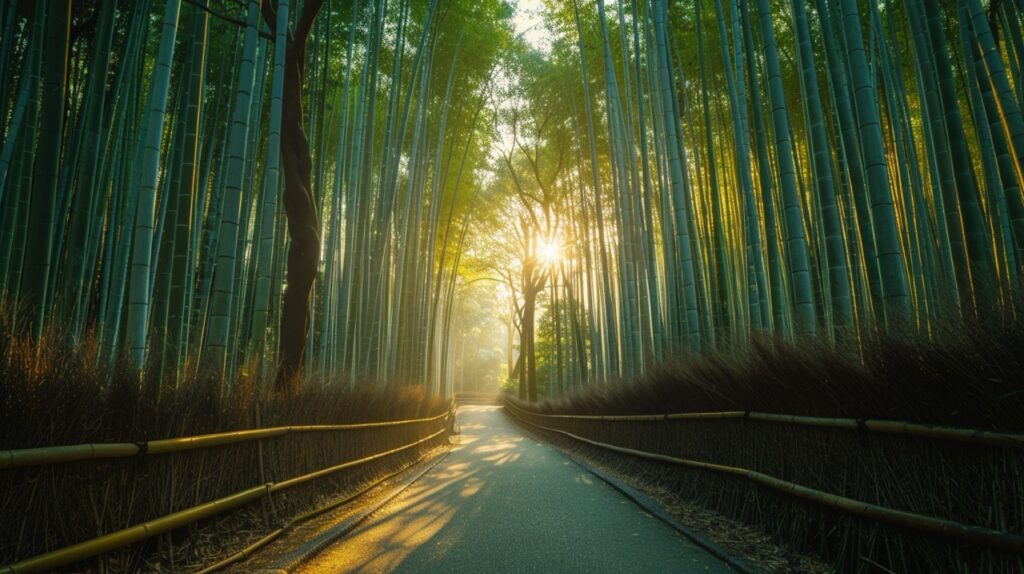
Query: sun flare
549, 252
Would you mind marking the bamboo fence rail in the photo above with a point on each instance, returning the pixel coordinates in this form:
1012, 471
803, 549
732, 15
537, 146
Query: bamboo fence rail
70, 453
973, 436
298, 519
920, 522
151, 528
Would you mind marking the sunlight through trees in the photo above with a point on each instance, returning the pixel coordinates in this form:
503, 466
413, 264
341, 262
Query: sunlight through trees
737, 167
301, 187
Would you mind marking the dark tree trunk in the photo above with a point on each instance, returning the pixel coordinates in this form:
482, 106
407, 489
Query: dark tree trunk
534, 279
299, 203
521, 365
529, 337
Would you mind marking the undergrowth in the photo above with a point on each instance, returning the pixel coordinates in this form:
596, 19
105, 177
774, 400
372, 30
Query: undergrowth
969, 375
56, 393
962, 375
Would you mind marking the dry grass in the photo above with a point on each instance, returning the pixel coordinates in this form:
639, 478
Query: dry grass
53, 395
968, 376
965, 375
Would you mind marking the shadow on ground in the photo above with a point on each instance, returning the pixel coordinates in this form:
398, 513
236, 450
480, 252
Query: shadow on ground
502, 502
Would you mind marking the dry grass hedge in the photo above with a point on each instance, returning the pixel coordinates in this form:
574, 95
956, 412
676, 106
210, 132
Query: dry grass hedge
966, 376
52, 395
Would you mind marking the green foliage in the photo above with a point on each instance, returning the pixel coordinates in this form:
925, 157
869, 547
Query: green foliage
156, 218
707, 171
761, 167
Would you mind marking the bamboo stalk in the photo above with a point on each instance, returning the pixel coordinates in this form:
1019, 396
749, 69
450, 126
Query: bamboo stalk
945, 433
708, 415
949, 528
635, 418
53, 454
58, 454
157, 526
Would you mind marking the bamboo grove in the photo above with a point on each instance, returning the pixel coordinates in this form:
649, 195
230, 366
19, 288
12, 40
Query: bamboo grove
169, 166
713, 168
246, 185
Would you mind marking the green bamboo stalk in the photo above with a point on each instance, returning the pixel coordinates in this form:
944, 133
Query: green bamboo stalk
883, 215
796, 242
45, 169
676, 159
222, 294
835, 248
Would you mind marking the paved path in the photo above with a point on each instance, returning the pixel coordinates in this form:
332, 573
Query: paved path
502, 502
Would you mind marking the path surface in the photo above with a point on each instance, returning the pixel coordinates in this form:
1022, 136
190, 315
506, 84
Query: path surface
502, 502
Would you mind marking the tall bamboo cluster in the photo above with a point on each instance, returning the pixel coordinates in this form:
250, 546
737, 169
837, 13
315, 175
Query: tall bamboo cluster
228, 185
143, 172
779, 166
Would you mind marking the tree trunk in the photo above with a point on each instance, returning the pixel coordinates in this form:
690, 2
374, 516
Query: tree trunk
299, 206
527, 347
